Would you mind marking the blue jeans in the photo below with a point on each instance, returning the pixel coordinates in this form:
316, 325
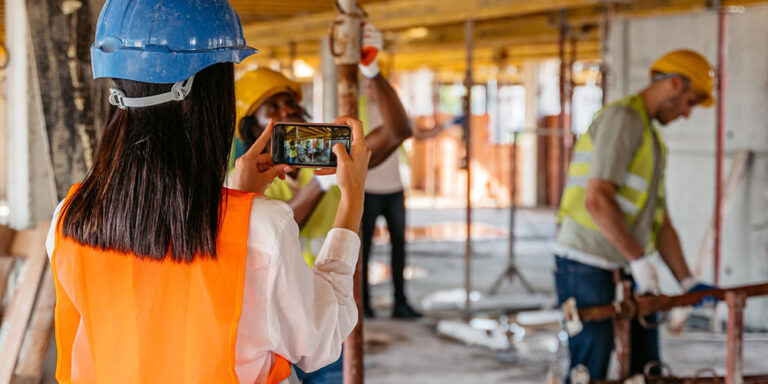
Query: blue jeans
592, 347
330, 374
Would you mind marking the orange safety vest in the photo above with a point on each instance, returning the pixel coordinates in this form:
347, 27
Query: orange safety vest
122, 319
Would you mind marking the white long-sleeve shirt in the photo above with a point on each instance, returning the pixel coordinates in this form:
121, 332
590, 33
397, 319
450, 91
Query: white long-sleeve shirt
288, 309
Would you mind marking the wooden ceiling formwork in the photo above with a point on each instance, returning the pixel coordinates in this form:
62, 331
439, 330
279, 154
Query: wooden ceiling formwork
501, 26
505, 30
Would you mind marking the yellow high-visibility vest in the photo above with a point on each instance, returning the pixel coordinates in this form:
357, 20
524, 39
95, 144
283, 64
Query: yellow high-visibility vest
633, 193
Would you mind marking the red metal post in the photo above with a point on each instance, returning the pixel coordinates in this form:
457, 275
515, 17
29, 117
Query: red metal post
733, 364
433, 143
622, 330
568, 127
512, 198
721, 86
346, 39
605, 49
469, 27
561, 173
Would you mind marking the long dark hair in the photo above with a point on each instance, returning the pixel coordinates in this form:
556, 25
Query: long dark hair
155, 187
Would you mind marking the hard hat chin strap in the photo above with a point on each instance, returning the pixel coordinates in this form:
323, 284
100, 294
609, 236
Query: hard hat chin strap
178, 92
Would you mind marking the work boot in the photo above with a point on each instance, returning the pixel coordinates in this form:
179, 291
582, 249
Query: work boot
404, 311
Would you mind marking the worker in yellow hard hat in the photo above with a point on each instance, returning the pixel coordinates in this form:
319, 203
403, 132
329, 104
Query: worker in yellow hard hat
252, 90
613, 211
265, 94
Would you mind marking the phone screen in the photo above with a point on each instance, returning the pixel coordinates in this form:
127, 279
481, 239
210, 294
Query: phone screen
308, 145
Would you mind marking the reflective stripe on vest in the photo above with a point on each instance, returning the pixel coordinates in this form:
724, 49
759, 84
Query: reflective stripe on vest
122, 319
632, 194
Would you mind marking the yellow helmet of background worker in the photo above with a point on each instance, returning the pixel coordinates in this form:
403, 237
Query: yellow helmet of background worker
694, 67
255, 87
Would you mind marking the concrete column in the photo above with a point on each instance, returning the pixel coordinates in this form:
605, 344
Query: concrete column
330, 102
492, 106
529, 141
30, 188
317, 97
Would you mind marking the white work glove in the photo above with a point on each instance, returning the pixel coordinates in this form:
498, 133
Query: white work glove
326, 182
645, 276
372, 45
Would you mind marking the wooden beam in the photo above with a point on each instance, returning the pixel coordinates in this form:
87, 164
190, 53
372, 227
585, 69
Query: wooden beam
6, 267
587, 50
451, 62
517, 39
532, 37
61, 39
499, 44
400, 14
494, 22
29, 369
451, 56
17, 317
527, 29
653, 8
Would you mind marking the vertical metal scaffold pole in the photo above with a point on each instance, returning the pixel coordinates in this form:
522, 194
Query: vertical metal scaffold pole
605, 36
721, 86
345, 46
568, 127
469, 26
561, 172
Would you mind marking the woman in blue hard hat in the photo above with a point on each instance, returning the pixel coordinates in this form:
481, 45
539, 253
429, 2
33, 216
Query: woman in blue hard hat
162, 275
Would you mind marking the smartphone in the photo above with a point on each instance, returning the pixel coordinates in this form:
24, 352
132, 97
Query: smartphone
307, 144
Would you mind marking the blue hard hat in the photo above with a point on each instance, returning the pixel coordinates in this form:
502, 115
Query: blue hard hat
165, 41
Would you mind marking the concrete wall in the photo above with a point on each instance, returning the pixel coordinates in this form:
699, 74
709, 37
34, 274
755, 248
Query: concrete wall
635, 44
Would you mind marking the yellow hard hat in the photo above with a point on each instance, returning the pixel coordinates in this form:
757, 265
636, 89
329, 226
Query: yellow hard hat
693, 66
255, 87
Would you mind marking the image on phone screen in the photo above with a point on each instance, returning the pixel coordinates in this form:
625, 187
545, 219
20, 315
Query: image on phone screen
308, 145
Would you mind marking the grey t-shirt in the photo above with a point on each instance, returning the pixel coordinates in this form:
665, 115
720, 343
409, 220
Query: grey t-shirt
617, 134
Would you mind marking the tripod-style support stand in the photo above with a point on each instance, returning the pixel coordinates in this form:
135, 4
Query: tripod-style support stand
512, 269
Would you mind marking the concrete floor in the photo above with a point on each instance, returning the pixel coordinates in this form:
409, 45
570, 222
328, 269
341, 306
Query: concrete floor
413, 352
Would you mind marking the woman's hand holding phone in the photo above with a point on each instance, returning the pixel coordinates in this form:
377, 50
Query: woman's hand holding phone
255, 171
351, 169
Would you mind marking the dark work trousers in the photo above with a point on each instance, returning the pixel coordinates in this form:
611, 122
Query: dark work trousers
392, 206
592, 347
